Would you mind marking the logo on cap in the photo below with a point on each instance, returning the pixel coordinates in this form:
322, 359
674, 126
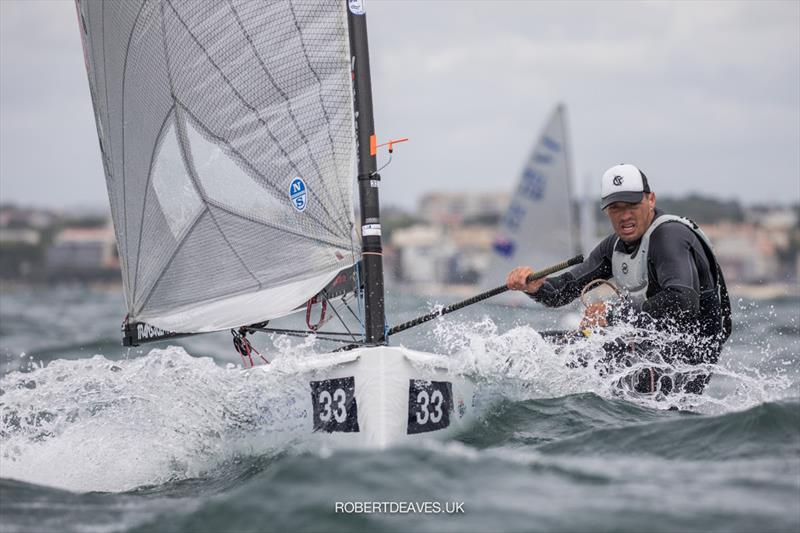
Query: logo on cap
617, 180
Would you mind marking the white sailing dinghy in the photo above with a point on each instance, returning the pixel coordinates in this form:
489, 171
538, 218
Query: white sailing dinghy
230, 133
540, 226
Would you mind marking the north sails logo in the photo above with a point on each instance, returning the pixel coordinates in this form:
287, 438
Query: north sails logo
624, 268
298, 193
146, 331
617, 180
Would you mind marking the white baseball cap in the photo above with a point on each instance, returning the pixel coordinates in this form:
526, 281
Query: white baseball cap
623, 183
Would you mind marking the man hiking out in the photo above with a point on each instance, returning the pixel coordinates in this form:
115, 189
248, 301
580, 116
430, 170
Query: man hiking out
666, 270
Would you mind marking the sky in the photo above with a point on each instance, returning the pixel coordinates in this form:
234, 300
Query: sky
703, 96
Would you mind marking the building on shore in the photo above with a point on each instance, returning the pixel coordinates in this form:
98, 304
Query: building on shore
422, 253
19, 236
432, 253
747, 253
83, 254
20, 252
456, 208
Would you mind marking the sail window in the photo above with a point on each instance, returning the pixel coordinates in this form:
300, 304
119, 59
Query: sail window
174, 189
226, 183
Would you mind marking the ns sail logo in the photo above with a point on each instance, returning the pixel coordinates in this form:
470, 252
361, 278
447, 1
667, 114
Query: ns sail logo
298, 194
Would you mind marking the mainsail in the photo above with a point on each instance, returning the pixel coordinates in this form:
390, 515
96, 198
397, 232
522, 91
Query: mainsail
227, 135
538, 228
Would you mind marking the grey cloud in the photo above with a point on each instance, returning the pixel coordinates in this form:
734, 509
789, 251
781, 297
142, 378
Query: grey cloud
703, 95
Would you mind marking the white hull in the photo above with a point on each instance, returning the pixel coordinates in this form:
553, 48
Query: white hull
383, 396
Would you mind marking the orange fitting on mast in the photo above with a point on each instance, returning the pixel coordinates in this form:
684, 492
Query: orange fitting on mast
373, 141
391, 143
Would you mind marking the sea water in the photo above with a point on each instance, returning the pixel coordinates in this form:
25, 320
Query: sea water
179, 436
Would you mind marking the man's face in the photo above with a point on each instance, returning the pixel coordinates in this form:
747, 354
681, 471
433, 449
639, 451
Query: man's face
630, 221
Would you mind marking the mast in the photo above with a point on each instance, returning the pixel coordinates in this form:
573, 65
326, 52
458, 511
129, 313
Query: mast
368, 179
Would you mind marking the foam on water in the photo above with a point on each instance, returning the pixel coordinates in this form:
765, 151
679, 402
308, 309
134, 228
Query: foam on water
102, 425
529, 367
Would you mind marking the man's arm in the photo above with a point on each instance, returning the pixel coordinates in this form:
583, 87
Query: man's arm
561, 290
673, 249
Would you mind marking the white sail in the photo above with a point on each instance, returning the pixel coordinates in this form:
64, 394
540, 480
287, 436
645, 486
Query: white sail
538, 228
227, 135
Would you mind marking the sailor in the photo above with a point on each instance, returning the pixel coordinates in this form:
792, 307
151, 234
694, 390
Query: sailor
666, 270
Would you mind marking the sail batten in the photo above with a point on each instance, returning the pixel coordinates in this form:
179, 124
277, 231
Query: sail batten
227, 133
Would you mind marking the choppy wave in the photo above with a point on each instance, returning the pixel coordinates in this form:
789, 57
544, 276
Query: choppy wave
529, 367
587, 425
523, 468
95, 424
161, 439
102, 425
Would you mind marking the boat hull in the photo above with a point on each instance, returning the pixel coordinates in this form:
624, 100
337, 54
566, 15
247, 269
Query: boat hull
382, 396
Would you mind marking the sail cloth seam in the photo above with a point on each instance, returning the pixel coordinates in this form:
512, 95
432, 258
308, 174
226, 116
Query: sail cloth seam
231, 212
273, 189
176, 120
108, 145
313, 70
241, 260
229, 296
180, 241
148, 182
189, 166
185, 237
105, 147
172, 113
210, 201
286, 99
105, 68
247, 104
122, 111
172, 258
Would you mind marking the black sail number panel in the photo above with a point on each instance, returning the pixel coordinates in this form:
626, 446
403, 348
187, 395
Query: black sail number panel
429, 405
334, 405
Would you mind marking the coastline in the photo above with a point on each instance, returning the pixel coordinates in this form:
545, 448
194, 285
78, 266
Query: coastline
751, 291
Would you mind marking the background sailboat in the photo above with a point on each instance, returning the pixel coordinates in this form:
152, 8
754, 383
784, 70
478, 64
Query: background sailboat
540, 227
